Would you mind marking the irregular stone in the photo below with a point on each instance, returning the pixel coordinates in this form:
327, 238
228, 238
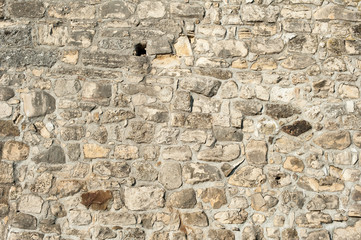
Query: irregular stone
42, 183
256, 13
227, 134
264, 63
266, 46
351, 175
93, 91
248, 176
216, 234
214, 72
181, 153
134, 233
247, 108
296, 12
24, 57
117, 115
279, 179
348, 233
239, 202
38, 103
334, 12
220, 153
170, 175
103, 233
97, 200
79, 217
194, 173
155, 113
186, 10
303, 44
230, 48
15, 37
287, 145
208, 88
126, 152
353, 47
64, 87
297, 128
199, 136
6, 172
95, 151
27, 9
54, 35
322, 88
198, 219
290, 233
256, 152
55, 155
24, 221
296, 25
72, 10
349, 91
183, 47
252, 232
278, 111
333, 64
293, 164
298, 62
66, 188
8, 129
356, 193
30, 204
334, 140
144, 171
151, 9
215, 196
117, 218
199, 121
143, 198
116, 9
184, 199
140, 132
72, 133
231, 217
112, 169
329, 184
6, 93
26, 236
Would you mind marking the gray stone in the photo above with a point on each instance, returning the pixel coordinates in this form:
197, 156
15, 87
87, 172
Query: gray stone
6, 172
228, 134
158, 46
144, 171
155, 113
151, 9
55, 155
248, 176
183, 199
117, 218
6, 93
170, 175
266, 46
140, 132
256, 152
224, 234
116, 9
8, 129
30, 204
134, 233
256, 13
24, 221
247, 108
178, 153
72, 133
303, 44
208, 88
16, 37
143, 198
182, 101
278, 111
348, 233
116, 115
93, 91
186, 10
220, 153
194, 173
230, 48
199, 121
112, 169
334, 140
298, 62
215, 196
27, 9
24, 57
26, 236
334, 12
38, 103
63, 87
198, 219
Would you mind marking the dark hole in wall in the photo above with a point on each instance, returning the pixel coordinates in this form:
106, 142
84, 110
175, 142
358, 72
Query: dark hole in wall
139, 49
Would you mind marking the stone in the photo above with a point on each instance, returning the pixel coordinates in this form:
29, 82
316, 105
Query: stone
229, 90
42, 183
297, 62
6, 172
351, 175
116, 9
256, 13
8, 129
159, 46
227, 134
126, 152
286, 145
117, 218
143, 198
183, 199
198, 136
70, 56
140, 132
290, 233
117, 115
334, 12
303, 44
30, 204
329, 184
348, 91
252, 232
297, 128
38, 103
353, 47
230, 48
294, 164
256, 152
349, 232
186, 10
144, 171
279, 94
79, 217
97, 200
93, 91
72, 133
24, 221
224, 234
356, 193
198, 121
112, 169
215, 73
208, 88
247, 176
231, 217
334, 140
15, 151
24, 57
50, 34
63, 87
266, 46
333, 64
215, 196
15, 36
134, 233
278, 111
170, 175
181, 153
182, 101
198, 219
155, 113
264, 63
247, 108
104, 233
220, 153
55, 155
73, 10
26, 236
194, 173
6, 93
32, 9
148, 9
239, 202
183, 47
95, 151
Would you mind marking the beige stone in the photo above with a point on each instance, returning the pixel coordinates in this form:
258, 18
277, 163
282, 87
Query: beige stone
70, 56
334, 140
183, 47
256, 152
126, 152
95, 151
15, 151
294, 164
220, 153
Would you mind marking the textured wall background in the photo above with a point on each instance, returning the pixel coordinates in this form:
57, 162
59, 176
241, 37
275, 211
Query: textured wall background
233, 119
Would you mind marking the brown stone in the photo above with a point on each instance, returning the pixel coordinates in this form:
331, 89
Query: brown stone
183, 199
198, 219
334, 140
297, 128
215, 196
293, 164
223, 234
97, 200
278, 111
8, 129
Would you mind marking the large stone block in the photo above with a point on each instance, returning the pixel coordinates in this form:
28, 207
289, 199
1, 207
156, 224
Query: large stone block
24, 57
38, 103
143, 198
27, 9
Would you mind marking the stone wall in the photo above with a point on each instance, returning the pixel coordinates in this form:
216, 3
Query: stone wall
156, 119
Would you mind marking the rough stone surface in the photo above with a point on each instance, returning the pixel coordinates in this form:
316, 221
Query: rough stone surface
141, 119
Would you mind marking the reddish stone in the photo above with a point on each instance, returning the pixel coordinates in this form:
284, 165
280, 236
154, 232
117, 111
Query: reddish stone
97, 200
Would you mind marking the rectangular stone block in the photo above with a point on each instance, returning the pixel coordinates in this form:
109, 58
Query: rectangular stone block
24, 57
17, 36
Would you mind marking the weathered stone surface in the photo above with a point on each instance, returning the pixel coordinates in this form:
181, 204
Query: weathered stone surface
38, 103
286, 145
72, 133
32, 9
333, 12
256, 13
6, 93
215, 196
182, 199
248, 176
116, 9
267, 46
334, 140
293, 164
113, 169
198, 219
290, 233
227, 134
297, 128
170, 175
186, 10
7, 129
247, 108
140, 132
194, 173
24, 221
95, 151
298, 62
329, 184
278, 111
117, 218
143, 171
151, 9
256, 152
26, 236
30, 204
15, 37
183, 47
117, 115
181, 153
155, 113
231, 217
24, 57
205, 87
230, 48
55, 155
199, 121
214, 234
97, 200
350, 232
143, 198
126, 152
220, 153
6, 172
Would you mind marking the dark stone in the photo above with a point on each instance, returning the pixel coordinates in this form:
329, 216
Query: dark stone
49, 226
15, 37
97, 200
27, 9
74, 151
8, 129
228, 134
290, 234
24, 221
214, 72
278, 111
140, 132
72, 133
55, 155
297, 128
24, 57
133, 234
6, 93
220, 234
199, 121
